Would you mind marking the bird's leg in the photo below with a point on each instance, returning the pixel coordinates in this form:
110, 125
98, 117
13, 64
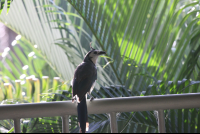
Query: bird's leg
75, 98
91, 97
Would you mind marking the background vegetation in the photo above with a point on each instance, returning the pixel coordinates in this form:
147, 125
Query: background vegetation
152, 49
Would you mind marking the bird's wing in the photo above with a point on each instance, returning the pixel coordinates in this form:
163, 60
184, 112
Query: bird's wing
84, 77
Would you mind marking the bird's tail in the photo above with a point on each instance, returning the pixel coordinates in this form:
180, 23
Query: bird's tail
83, 116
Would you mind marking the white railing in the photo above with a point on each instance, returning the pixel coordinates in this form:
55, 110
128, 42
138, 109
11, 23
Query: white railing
99, 106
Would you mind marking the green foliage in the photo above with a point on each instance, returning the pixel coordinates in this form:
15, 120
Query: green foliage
147, 41
146, 45
43, 124
144, 36
23, 58
3, 3
19, 63
145, 121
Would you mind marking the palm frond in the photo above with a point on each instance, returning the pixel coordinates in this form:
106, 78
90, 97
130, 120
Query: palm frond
38, 30
124, 29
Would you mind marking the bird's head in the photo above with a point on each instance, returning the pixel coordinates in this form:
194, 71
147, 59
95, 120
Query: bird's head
92, 55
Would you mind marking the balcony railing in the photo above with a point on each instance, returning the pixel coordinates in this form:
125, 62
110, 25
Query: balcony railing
99, 106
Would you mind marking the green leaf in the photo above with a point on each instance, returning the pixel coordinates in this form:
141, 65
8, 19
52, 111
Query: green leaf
11, 130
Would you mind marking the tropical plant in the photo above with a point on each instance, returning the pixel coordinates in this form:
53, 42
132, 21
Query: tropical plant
154, 62
21, 69
128, 122
43, 124
20, 62
148, 41
23, 58
3, 3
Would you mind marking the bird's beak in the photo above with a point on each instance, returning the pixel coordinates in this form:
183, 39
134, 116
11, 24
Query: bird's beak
101, 52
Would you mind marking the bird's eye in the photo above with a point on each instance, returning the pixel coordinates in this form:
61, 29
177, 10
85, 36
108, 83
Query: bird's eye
95, 52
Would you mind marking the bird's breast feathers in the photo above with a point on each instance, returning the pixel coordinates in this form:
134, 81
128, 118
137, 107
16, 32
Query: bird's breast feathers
85, 70
84, 79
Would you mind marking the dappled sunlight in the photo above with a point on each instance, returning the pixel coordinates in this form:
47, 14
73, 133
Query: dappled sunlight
152, 48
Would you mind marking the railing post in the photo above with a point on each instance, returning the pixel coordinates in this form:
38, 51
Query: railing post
17, 127
161, 121
65, 124
113, 123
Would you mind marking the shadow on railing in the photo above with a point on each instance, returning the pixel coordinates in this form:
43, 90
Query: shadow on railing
98, 106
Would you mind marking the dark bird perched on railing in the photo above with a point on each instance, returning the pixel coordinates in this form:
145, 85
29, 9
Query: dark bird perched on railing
83, 82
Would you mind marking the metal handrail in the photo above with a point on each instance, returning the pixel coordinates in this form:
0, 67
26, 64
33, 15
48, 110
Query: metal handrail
99, 106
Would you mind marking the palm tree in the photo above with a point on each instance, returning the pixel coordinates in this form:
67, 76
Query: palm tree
150, 46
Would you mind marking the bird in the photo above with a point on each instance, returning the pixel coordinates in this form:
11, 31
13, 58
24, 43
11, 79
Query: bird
83, 83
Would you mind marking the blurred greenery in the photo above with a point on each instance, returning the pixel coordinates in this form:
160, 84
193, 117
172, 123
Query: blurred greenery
152, 49
5, 3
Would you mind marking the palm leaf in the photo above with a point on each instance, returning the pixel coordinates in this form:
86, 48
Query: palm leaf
38, 30
139, 41
91, 6
139, 34
5, 3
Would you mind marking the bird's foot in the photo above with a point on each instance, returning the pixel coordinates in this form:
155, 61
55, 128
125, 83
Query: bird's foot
92, 98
